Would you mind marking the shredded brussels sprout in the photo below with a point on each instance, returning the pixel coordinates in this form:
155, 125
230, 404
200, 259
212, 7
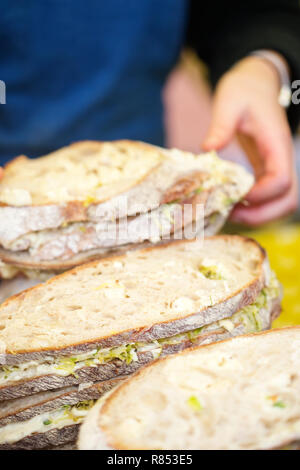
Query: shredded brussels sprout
211, 272
194, 403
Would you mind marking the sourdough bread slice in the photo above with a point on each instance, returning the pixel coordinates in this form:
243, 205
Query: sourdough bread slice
70, 446
99, 169
101, 302
56, 335
48, 418
239, 394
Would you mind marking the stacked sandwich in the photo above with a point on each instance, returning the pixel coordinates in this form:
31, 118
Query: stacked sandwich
90, 199
67, 341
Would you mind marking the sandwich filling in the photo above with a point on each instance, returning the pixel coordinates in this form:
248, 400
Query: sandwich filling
9, 271
78, 237
66, 415
253, 318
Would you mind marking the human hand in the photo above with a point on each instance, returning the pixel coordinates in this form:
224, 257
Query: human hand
246, 103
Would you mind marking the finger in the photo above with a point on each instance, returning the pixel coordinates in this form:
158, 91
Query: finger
249, 147
274, 145
225, 116
1, 172
263, 213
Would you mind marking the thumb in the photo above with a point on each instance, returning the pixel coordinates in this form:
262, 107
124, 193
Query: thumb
224, 121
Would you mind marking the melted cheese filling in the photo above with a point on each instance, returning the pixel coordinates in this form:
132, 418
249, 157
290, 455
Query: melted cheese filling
57, 419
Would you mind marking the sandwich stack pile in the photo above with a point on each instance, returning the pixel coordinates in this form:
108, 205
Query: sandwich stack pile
104, 226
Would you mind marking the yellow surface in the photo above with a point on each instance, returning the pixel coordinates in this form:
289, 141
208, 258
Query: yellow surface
282, 243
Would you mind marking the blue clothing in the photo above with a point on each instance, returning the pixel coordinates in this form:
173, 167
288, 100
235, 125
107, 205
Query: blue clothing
90, 69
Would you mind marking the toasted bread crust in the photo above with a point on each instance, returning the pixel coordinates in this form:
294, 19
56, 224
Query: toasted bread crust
184, 186
23, 260
138, 145
69, 446
14, 411
53, 438
12, 163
